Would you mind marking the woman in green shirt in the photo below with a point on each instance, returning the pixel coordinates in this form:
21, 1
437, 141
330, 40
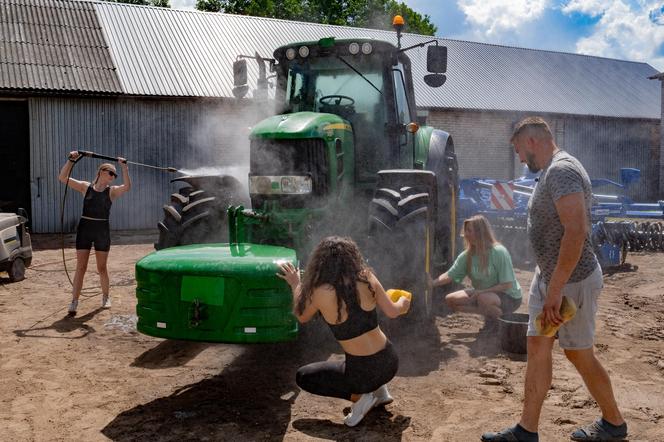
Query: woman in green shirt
487, 263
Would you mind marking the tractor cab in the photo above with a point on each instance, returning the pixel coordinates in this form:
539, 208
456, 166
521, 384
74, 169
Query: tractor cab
366, 83
361, 81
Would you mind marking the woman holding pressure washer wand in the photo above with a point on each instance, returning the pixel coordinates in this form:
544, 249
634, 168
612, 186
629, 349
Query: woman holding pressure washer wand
338, 285
94, 228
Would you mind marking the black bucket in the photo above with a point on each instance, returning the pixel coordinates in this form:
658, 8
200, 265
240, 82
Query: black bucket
512, 331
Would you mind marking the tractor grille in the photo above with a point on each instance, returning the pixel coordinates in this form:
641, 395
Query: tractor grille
291, 157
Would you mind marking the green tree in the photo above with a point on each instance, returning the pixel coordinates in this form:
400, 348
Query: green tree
375, 14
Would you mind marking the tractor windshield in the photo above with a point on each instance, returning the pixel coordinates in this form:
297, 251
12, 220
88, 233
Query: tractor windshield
352, 88
327, 84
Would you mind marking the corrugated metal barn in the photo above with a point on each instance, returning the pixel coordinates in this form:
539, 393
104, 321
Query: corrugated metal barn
155, 85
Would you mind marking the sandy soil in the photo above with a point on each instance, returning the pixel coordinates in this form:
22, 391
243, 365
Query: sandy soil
95, 378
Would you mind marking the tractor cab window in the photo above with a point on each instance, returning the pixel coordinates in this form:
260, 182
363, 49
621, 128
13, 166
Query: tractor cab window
328, 85
402, 109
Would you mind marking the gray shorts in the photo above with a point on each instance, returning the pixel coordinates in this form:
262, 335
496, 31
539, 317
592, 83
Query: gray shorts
579, 333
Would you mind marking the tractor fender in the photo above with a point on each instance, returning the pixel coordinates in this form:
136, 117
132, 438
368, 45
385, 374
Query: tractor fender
441, 160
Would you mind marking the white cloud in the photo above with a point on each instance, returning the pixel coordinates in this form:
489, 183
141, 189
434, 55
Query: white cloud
183, 4
626, 31
492, 17
592, 8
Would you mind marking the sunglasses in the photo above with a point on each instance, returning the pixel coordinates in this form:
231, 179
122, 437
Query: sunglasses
111, 173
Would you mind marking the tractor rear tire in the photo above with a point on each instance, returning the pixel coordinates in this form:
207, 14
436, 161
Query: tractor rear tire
197, 216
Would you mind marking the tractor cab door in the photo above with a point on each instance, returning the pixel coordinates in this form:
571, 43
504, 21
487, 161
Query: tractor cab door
403, 116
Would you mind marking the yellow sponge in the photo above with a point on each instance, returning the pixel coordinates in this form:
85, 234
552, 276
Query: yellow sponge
395, 294
567, 311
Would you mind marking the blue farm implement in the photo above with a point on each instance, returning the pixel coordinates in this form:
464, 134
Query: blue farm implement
619, 224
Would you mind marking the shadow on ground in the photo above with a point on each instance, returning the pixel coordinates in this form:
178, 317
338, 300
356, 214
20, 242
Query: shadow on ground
250, 399
64, 326
170, 353
379, 425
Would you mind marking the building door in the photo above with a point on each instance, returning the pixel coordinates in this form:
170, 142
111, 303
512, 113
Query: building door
15, 155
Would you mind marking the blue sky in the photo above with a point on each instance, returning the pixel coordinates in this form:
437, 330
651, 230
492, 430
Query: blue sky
624, 29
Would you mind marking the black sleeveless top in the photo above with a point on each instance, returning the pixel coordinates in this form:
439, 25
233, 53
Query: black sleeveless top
97, 204
358, 322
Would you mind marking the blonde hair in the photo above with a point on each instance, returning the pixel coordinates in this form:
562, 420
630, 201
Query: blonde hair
534, 126
483, 240
101, 168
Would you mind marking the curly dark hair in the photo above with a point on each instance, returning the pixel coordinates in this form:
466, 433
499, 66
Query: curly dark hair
336, 261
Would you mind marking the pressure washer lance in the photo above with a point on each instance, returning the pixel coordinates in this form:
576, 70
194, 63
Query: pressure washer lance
87, 153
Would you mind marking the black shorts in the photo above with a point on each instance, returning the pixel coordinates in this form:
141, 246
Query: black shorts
91, 232
508, 304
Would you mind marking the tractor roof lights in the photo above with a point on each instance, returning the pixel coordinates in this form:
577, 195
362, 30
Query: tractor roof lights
367, 48
303, 51
290, 53
354, 48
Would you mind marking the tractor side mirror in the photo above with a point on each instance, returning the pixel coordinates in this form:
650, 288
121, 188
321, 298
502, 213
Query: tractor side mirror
240, 87
436, 63
437, 59
435, 80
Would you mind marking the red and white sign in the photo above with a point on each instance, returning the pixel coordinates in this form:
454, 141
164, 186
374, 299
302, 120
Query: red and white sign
502, 196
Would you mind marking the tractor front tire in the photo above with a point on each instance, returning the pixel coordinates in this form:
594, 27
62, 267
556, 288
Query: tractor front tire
197, 216
402, 232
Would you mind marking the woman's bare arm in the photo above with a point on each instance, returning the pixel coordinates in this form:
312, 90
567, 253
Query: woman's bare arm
117, 191
64, 178
391, 309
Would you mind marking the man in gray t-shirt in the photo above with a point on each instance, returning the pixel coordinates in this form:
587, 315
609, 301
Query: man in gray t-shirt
559, 231
563, 176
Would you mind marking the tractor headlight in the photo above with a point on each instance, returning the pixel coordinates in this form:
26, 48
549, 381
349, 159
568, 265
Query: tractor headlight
304, 51
354, 48
290, 53
367, 48
296, 184
280, 185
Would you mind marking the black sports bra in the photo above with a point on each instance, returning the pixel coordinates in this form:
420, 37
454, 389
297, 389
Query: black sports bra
358, 322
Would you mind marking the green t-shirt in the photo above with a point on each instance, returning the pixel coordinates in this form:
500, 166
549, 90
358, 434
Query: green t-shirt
499, 270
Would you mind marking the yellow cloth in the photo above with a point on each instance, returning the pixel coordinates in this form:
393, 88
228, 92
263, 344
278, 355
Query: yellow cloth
567, 311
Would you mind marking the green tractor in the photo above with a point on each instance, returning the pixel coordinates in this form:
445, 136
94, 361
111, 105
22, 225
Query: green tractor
343, 156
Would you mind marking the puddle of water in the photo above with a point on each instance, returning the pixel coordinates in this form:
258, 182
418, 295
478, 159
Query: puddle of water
123, 323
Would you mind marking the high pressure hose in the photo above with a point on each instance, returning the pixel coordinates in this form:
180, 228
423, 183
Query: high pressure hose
62, 219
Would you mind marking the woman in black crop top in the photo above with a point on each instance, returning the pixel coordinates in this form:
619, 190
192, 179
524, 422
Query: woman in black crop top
338, 285
93, 228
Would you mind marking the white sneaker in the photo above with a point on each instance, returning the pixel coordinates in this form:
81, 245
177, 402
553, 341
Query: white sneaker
105, 301
72, 308
360, 409
383, 397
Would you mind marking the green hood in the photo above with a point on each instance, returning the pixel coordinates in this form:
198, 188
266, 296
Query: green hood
248, 260
299, 125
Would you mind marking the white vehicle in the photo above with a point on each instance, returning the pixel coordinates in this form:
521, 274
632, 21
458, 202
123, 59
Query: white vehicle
15, 245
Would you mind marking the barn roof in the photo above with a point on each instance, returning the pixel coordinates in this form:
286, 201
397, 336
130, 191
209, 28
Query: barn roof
94, 46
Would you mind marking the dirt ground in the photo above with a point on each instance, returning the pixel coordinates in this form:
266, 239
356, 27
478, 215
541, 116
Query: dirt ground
95, 378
